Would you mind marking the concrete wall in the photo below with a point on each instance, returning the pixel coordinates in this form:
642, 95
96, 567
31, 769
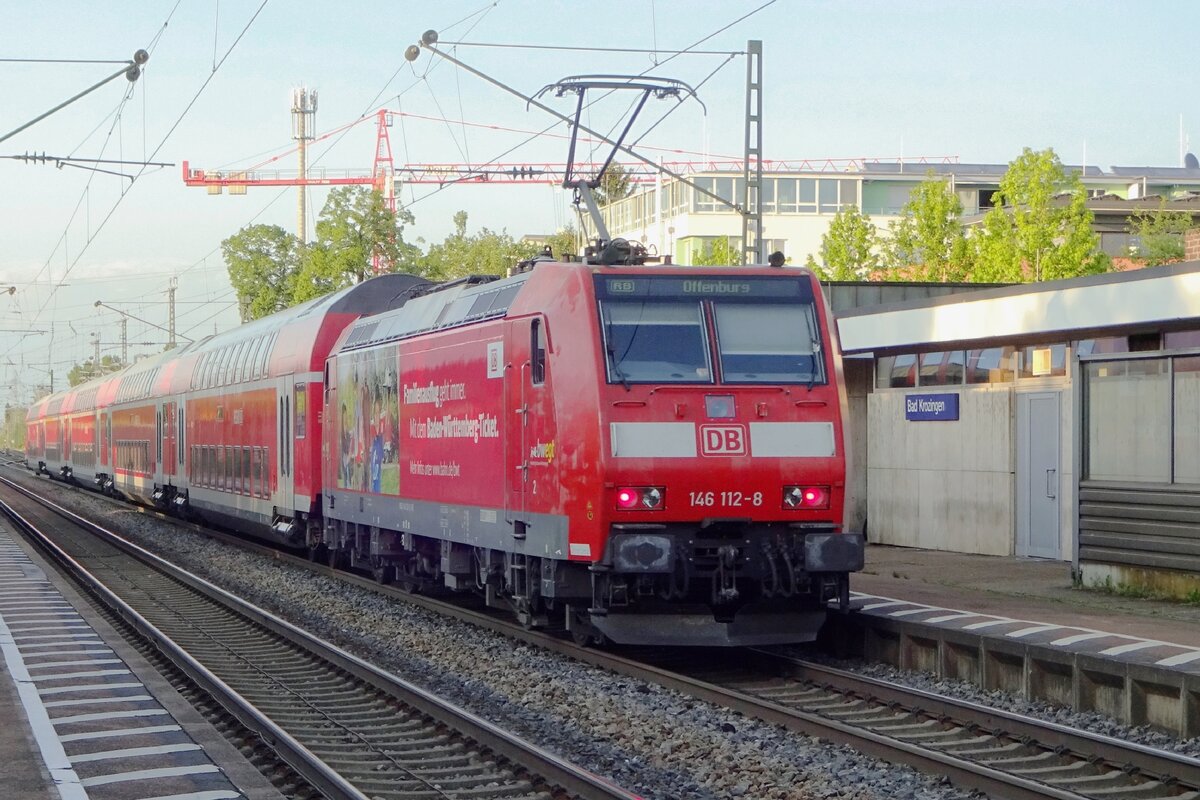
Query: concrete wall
859, 375
943, 485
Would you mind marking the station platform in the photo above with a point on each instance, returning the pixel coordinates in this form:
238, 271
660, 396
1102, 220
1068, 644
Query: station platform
1022, 626
85, 716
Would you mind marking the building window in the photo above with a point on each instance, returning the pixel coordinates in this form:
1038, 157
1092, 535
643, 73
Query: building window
1178, 340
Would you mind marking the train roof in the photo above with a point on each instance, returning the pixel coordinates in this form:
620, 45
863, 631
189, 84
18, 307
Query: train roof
369, 297
455, 303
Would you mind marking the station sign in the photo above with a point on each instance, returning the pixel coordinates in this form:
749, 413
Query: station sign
931, 407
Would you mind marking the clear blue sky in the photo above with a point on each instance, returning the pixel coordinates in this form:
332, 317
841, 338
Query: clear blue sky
976, 80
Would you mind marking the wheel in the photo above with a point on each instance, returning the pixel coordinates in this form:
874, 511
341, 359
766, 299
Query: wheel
318, 554
334, 558
583, 633
383, 574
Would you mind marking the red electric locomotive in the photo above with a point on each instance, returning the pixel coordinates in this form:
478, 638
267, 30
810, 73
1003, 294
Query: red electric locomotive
643, 454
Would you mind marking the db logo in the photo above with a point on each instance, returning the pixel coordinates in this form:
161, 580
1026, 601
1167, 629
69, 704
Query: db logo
723, 440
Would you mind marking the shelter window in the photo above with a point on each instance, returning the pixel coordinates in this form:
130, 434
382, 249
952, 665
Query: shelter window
896, 371
991, 365
941, 369
1044, 361
768, 343
655, 342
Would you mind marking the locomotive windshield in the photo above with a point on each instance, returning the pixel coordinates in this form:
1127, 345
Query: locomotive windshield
656, 330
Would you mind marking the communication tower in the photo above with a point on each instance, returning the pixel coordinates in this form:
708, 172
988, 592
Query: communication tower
304, 124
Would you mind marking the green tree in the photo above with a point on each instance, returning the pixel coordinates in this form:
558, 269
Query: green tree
354, 228
1032, 234
927, 242
262, 261
81, 373
614, 185
484, 253
849, 249
564, 242
1159, 234
13, 434
721, 251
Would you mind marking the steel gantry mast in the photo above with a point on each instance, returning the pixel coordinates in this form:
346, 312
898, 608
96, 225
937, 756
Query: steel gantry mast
752, 164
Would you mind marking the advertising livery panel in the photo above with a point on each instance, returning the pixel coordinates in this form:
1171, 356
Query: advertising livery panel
424, 424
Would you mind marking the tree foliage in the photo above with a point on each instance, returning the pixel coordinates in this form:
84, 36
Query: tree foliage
849, 249
13, 434
1159, 234
484, 253
614, 185
927, 241
262, 261
1032, 234
81, 373
355, 227
564, 242
721, 251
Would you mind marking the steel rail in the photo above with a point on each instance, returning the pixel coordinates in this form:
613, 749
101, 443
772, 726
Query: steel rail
1174, 770
1130, 755
549, 768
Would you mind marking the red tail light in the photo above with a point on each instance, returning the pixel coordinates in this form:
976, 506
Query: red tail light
805, 497
646, 498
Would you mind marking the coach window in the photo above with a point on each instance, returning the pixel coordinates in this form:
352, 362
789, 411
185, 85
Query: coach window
301, 409
245, 470
537, 353
252, 361
243, 356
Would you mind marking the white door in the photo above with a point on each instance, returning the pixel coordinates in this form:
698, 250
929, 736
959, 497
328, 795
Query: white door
1038, 474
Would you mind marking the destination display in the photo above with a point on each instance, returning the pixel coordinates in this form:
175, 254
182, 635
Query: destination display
709, 286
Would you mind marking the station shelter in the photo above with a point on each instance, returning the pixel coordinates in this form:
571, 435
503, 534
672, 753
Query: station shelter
1056, 420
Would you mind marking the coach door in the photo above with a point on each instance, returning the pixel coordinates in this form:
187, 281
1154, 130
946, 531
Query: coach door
514, 360
1037, 475
285, 496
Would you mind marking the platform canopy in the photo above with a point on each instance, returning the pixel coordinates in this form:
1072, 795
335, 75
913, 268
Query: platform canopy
1154, 297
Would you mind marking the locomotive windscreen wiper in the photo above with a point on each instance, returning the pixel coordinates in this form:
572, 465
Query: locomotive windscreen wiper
815, 338
618, 373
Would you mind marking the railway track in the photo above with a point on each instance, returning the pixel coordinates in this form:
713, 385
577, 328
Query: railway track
351, 730
995, 752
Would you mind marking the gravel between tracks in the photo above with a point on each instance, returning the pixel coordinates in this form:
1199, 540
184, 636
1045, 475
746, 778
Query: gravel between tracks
651, 740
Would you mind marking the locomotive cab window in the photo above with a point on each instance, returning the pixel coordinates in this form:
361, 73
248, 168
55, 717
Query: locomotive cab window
768, 343
652, 341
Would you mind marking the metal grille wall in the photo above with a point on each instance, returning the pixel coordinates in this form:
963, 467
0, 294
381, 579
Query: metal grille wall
1157, 527
1139, 496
